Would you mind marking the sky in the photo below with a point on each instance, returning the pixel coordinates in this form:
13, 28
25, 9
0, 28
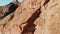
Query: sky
5, 2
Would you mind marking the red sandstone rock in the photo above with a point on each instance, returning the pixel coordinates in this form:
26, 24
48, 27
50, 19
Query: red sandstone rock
32, 17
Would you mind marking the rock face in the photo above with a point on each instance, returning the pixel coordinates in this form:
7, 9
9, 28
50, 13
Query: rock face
30, 17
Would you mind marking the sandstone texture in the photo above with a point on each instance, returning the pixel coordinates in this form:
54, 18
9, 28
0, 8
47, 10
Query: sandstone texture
30, 17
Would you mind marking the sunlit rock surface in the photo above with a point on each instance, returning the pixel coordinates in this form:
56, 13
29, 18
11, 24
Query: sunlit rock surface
30, 17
